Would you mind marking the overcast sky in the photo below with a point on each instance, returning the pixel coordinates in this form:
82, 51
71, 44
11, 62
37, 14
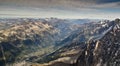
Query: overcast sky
95, 9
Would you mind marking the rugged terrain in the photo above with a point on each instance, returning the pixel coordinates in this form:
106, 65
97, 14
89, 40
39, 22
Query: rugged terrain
103, 52
97, 51
27, 39
56, 42
20, 40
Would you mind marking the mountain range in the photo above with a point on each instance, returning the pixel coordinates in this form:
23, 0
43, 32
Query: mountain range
55, 42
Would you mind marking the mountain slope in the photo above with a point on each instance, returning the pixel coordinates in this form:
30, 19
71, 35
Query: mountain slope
103, 50
25, 40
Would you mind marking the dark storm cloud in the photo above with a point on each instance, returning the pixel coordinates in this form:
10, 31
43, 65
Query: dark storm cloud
107, 1
118, 4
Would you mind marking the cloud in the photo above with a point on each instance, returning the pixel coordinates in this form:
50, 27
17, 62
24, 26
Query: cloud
107, 1
60, 7
56, 3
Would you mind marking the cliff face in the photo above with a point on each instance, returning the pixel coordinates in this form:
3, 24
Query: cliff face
103, 52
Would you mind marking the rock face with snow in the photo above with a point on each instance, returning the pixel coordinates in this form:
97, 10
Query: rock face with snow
103, 52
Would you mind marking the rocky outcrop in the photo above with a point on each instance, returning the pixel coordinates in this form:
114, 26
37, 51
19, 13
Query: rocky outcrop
103, 52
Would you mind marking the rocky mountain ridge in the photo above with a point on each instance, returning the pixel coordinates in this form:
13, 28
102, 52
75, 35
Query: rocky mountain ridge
105, 51
101, 51
55, 40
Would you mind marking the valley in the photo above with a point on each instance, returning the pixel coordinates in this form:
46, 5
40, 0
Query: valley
55, 42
